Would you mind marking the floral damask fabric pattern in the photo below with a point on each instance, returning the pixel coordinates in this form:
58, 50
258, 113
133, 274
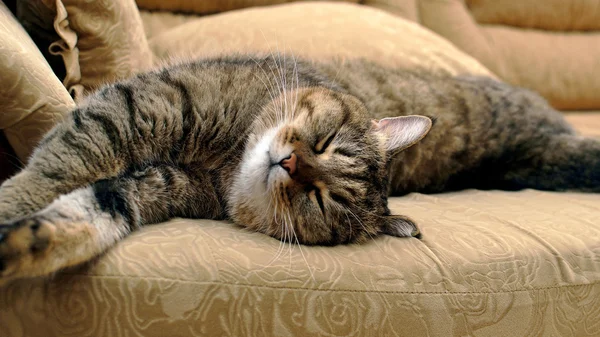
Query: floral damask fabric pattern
489, 264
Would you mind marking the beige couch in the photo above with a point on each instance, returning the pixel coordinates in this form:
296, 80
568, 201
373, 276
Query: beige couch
489, 264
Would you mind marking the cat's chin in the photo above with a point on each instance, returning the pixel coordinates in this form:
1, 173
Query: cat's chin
276, 175
256, 176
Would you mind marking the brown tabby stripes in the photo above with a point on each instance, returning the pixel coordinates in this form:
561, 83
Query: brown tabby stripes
304, 152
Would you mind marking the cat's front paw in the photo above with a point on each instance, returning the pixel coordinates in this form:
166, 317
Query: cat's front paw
23, 247
400, 226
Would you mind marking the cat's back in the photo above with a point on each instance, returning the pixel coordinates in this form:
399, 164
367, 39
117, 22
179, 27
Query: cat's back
389, 92
195, 111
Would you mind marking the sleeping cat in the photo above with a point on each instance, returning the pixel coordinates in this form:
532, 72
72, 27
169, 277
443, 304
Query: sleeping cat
304, 152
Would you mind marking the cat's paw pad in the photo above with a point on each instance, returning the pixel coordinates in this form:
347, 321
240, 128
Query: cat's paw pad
22, 243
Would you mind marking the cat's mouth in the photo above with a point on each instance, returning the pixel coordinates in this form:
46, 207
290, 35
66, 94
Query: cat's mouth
278, 170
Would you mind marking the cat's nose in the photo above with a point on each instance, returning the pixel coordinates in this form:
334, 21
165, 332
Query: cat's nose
290, 163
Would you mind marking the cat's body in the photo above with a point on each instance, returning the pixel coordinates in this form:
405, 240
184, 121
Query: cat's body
284, 148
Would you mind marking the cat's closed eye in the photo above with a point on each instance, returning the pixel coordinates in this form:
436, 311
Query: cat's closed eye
314, 194
324, 143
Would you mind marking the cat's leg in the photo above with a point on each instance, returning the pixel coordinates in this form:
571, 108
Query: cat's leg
563, 162
82, 224
70, 156
120, 127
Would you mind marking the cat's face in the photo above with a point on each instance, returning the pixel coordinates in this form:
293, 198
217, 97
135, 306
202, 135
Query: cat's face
315, 170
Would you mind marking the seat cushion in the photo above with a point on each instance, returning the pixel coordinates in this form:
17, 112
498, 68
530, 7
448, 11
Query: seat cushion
489, 264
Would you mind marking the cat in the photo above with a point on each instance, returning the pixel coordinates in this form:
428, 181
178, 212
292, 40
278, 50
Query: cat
305, 152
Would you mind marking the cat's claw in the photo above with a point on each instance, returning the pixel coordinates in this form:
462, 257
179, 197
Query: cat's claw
22, 243
416, 233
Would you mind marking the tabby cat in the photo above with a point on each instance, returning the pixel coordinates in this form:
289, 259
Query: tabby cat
304, 152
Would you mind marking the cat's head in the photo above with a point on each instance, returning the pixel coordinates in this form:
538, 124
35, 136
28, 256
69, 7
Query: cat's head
315, 170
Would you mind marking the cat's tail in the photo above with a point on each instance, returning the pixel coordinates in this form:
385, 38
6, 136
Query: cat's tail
566, 162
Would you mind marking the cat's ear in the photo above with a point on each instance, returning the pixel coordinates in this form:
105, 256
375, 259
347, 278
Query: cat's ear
399, 226
402, 132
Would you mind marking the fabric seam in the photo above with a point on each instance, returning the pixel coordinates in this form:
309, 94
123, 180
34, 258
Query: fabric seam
595, 283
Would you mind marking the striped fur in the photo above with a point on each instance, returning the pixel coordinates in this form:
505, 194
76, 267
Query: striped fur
208, 139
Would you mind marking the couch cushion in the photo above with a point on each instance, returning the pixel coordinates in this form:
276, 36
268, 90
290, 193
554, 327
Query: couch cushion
405, 8
158, 22
540, 14
334, 30
558, 64
33, 99
489, 264
208, 6
99, 41
587, 123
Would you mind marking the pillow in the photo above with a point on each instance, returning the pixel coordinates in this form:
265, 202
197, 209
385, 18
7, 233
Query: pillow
334, 30
404, 8
560, 65
99, 41
559, 15
208, 6
33, 99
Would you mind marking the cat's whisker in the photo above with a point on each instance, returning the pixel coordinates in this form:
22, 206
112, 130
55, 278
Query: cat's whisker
337, 73
292, 233
283, 83
277, 82
287, 229
366, 230
341, 209
285, 235
278, 104
264, 227
281, 241
387, 303
300, 248
20, 164
290, 242
290, 109
271, 68
268, 87
297, 82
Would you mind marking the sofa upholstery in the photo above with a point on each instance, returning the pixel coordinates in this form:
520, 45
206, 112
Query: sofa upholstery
360, 32
33, 99
548, 46
491, 263
99, 42
404, 8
